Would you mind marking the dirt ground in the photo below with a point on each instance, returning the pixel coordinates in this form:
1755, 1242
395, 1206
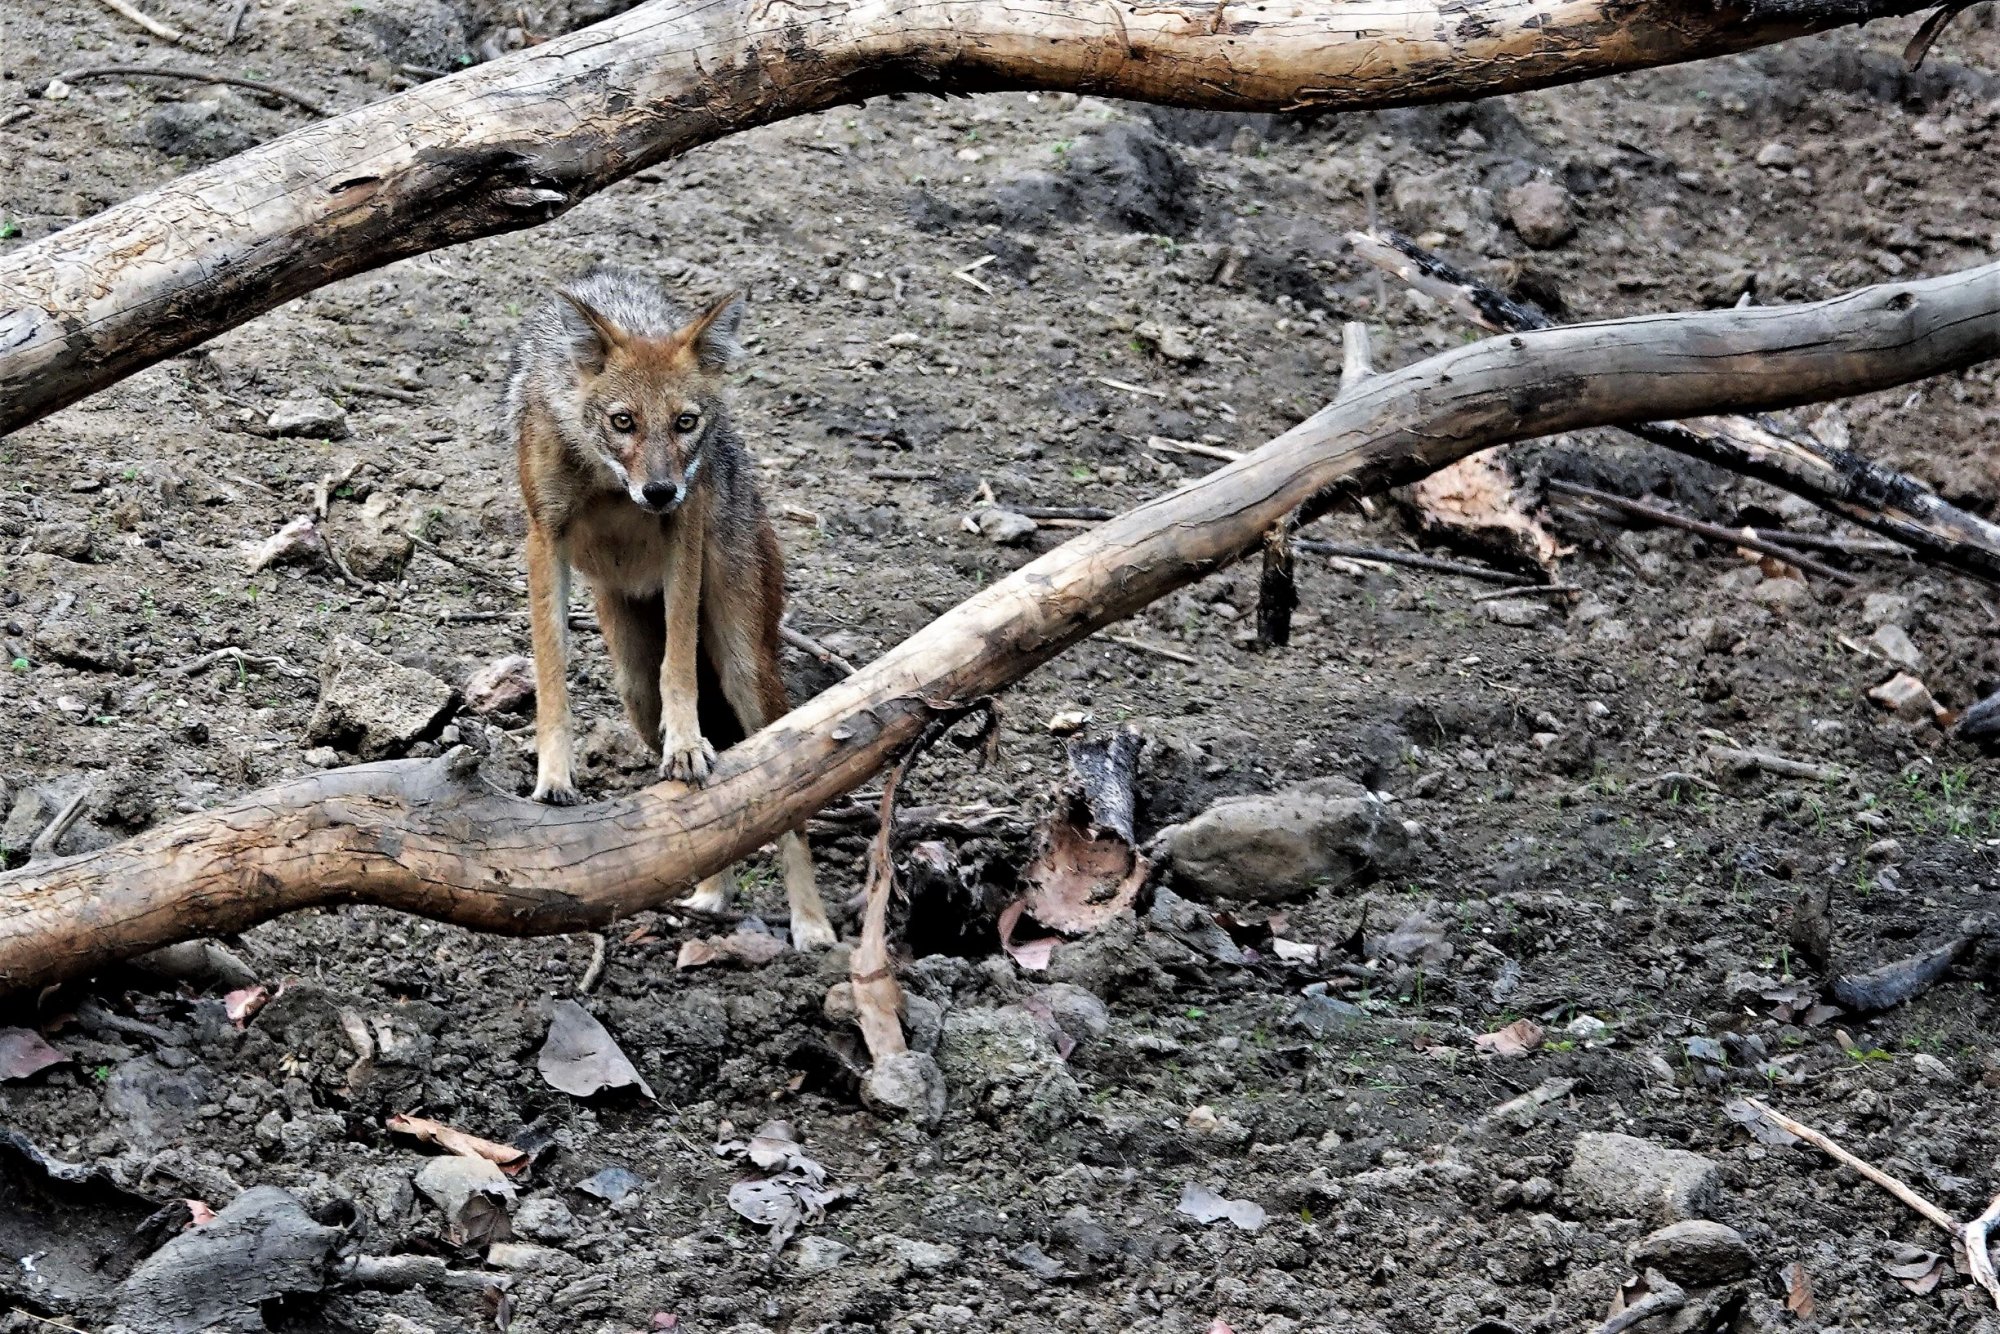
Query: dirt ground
946, 291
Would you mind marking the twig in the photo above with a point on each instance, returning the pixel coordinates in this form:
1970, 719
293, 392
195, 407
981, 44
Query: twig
1715, 532
328, 484
1131, 388
807, 644
964, 274
1078, 513
209, 659
903, 474
46, 841
1932, 28
195, 75
594, 972
1157, 650
234, 26
1391, 557
1170, 446
144, 20
369, 389
1859, 546
471, 567
1526, 591
1773, 764
1895, 1187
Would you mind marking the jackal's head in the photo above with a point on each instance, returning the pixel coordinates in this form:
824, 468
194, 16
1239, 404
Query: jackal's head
649, 400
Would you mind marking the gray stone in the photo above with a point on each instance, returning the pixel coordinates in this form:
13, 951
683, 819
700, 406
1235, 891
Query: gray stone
923, 1257
373, 542
1619, 1176
1282, 845
197, 131
1895, 644
816, 1255
71, 541
545, 1218
372, 706
311, 415
1886, 609
1002, 527
1006, 1059
1080, 1016
152, 1105
505, 685
1541, 212
526, 1258
78, 644
1698, 1253
909, 1083
1519, 613
1780, 155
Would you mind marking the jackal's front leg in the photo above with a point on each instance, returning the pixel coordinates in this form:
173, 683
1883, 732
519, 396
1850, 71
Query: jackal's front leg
548, 613
684, 753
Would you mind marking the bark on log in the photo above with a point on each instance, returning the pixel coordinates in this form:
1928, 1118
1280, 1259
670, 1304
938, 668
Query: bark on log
1839, 481
523, 138
421, 836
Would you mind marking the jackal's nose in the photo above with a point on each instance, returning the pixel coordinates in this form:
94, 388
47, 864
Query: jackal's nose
663, 496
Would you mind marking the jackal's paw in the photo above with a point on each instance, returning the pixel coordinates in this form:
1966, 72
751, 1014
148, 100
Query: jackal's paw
557, 794
707, 899
686, 760
808, 935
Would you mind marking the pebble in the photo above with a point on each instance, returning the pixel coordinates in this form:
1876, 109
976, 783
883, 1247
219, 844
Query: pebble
372, 706
1280, 846
1002, 527
545, 1218
1697, 1253
1541, 212
1776, 154
505, 685
816, 1255
1906, 697
1621, 1176
1894, 643
313, 415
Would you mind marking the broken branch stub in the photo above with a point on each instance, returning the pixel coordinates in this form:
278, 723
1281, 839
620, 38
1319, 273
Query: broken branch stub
522, 139
426, 837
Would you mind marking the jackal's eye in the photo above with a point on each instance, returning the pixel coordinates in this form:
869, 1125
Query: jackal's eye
622, 423
686, 422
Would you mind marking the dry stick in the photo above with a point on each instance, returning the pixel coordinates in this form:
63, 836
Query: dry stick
1169, 446
1526, 590
471, 567
1859, 546
234, 26
1715, 532
807, 644
144, 20
46, 841
1156, 650
1970, 1235
368, 389
1880, 499
194, 75
594, 972
1389, 556
424, 836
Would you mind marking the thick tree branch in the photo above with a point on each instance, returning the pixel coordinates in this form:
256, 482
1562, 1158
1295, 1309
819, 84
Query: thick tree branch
424, 838
1839, 481
520, 140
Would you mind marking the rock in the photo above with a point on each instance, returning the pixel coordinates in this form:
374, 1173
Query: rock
1779, 155
30, 814
309, 414
374, 543
523, 1258
1895, 644
152, 1105
1781, 593
197, 131
1906, 697
922, 1257
262, 1247
545, 1218
909, 1083
1541, 212
1280, 846
71, 541
297, 543
78, 644
1079, 1015
372, 706
1619, 1176
1517, 612
1698, 1253
1002, 527
505, 685
1005, 1058
816, 1255
472, 1194
1880, 609
1171, 342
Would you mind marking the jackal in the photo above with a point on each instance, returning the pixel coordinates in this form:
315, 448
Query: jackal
633, 474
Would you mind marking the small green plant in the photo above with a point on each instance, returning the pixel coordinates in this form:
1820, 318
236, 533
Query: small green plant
1866, 1054
1196, 1012
102, 1074
20, 664
9, 229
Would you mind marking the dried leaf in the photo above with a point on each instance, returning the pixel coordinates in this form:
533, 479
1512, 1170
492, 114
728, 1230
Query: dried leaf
242, 1005
504, 1156
1798, 1290
1763, 1130
1205, 1206
612, 1184
580, 1057
1032, 955
1918, 1270
1475, 499
1516, 1039
1294, 951
23, 1053
743, 946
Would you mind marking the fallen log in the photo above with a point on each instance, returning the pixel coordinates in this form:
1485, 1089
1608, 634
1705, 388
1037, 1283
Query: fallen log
426, 838
524, 138
1839, 481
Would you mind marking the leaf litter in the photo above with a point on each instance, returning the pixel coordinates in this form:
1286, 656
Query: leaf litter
581, 1058
793, 1196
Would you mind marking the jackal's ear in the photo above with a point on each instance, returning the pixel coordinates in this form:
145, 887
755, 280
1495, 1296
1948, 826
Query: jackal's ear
593, 335
713, 334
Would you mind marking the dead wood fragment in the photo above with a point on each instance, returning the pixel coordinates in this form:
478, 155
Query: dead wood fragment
1838, 480
1277, 589
136, 15
1154, 650
1714, 532
424, 836
1750, 761
807, 644
1901, 980
1411, 559
194, 76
